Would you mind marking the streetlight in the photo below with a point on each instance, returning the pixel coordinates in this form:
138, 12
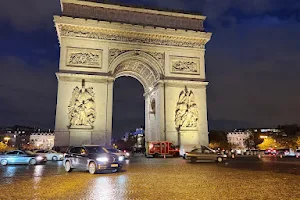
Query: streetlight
6, 139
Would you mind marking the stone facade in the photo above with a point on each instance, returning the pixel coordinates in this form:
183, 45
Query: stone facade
169, 63
42, 140
237, 138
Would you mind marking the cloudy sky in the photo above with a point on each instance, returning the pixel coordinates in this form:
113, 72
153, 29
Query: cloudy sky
252, 63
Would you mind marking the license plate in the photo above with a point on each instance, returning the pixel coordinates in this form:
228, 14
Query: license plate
114, 165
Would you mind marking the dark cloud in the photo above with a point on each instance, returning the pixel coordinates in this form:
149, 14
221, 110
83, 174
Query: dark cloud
29, 15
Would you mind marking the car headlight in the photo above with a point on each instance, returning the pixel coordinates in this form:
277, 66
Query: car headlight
121, 158
102, 159
39, 158
127, 154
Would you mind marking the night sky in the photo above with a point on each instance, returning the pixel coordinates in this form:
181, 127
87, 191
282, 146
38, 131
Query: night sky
252, 63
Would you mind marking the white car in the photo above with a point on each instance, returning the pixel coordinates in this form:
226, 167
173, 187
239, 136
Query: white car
50, 154
119, 152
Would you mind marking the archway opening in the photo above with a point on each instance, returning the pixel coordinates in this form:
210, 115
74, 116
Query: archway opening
128, 106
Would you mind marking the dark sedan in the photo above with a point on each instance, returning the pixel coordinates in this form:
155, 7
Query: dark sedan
93, 158
21, 157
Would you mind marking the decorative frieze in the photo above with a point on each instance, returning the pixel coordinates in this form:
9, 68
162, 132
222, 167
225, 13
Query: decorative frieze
186, 113
159, 57
84, 57
128, 36
185, 65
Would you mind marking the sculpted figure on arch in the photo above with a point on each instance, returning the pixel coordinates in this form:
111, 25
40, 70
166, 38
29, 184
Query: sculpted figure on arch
82, 108
186, 114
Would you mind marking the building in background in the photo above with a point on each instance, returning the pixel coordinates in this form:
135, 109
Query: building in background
42, 140
25, 137
237, 138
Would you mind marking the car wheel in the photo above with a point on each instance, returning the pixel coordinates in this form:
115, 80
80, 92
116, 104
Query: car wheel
219, 159
193, 159
4, 162
32, 161
54, 158
68, 166
119, 169
92, 168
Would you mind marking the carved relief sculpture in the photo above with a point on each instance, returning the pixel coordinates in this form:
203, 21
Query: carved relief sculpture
82, 107
152, 106
84, 57
185, 65
186, 114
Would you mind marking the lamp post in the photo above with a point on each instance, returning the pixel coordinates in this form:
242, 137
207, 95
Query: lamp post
6, 140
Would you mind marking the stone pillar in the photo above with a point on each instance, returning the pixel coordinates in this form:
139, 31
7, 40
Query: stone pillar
99, 132
147, 118
195, 135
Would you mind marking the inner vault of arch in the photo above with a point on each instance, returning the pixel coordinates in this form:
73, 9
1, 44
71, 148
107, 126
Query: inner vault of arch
139, 70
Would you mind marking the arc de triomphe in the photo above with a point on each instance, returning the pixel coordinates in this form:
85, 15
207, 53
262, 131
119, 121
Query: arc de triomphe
163, 50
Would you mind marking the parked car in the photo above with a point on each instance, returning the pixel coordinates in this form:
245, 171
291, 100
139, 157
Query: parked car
50, 154
270, 151
92, 158
286, 153
205, 153
21, 157
119, 152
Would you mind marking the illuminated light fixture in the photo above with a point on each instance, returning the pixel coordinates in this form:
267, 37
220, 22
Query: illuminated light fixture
102, 159
121, 158
263, 136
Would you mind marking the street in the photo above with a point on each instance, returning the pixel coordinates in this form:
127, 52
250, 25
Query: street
158, 178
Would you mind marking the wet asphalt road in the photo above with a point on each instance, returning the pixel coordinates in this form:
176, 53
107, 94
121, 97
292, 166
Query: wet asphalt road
158, 178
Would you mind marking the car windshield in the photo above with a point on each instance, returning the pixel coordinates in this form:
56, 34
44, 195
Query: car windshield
113, 150
96, 149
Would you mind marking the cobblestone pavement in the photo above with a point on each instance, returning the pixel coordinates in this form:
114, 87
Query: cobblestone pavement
171, 178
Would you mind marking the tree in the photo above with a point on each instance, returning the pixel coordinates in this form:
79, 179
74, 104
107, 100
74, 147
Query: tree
269, 142
256, 136
2, 147
289, 136
218, 139
249, 142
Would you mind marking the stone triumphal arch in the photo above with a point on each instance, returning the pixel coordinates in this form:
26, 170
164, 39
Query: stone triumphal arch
163, 50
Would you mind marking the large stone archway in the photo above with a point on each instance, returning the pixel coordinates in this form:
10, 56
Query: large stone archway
163, 50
